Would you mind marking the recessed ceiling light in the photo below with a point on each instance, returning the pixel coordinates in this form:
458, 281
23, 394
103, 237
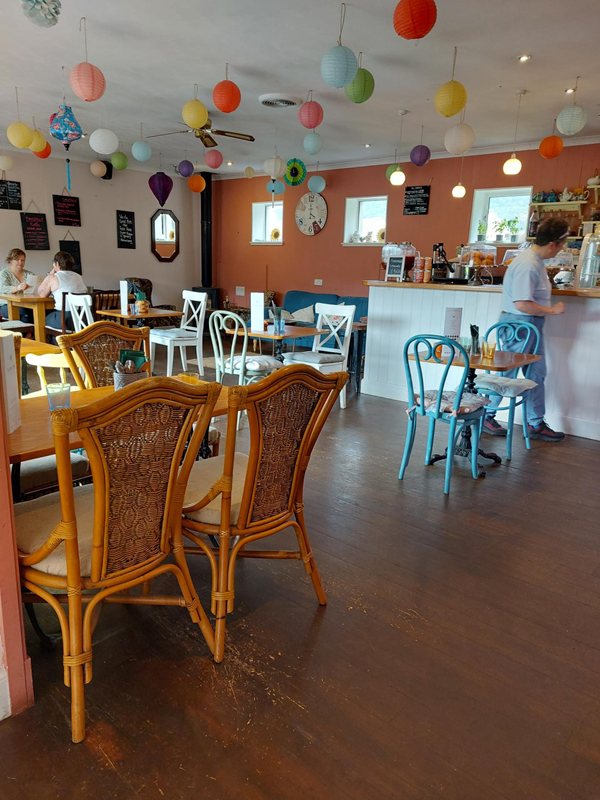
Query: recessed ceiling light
524, 58
367, 145
569, 91
230, 163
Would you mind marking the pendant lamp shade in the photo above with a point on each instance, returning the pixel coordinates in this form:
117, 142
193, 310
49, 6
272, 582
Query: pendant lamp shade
38, 143
316, 183
390, 169
103, 141
275, 187
196, 183
194, 114
397, 177
512, 166
571, 120
119, 161
227, 96
420, 155
87, 81
450, 98
214, 159
551, 147
310, 114
275, 167
413, 19
459, 139
6, 163
141, 151
185, 168
45, 152
19, 135
98, 169
313, 143
339, 66
459, 190
160, 186
362, 87
249, 172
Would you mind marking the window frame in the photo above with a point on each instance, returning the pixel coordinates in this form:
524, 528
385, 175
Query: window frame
481, 204
259, 222
352, 219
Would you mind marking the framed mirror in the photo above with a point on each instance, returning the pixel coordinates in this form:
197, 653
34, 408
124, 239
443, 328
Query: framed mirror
164, 235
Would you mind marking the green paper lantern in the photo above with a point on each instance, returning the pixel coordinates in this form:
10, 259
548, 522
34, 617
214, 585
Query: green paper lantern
119, 160
390, 169
362, 86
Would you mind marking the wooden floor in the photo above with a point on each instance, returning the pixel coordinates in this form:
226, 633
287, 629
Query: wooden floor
458, 658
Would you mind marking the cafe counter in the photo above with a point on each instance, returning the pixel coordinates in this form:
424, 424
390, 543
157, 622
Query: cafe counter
398, 311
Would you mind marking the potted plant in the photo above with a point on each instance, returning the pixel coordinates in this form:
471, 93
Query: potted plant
500, 227
481, 230
513, 229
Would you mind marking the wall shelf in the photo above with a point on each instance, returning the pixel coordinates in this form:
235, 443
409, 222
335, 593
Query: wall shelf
569, 204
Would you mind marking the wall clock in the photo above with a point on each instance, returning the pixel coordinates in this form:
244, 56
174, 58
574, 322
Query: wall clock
311, 213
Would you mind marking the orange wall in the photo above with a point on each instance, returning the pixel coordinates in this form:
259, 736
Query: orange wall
301, 259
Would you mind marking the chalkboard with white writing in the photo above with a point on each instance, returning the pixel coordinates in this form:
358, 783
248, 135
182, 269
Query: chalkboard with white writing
416, 200
126, 230
35, 231
10, 195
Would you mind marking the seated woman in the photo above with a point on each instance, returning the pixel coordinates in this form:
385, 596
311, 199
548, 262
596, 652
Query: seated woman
61, 279
14, 279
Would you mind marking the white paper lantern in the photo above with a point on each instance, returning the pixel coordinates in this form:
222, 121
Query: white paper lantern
104, 141
275, 167
339, 66
571, 120
249, 172
6, 163
98, 169
313, 142
459, 139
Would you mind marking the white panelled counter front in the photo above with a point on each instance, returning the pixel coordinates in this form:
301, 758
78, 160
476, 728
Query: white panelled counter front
398, 311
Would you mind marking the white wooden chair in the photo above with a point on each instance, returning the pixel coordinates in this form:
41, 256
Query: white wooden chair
330, 348
189, 333
80, 306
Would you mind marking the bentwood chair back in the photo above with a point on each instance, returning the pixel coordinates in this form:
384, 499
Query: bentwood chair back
261, 493
188, 334
80, 306
96, 348
98, 542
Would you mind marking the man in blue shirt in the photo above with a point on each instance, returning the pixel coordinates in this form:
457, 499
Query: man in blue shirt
526, 297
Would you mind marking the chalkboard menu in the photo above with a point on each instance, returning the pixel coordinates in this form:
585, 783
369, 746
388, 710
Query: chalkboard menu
10, 195
395, 268
72, 246
126, 230
66, 210
35, 231
416, 200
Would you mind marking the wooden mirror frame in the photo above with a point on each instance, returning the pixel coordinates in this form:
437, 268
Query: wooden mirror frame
153, 240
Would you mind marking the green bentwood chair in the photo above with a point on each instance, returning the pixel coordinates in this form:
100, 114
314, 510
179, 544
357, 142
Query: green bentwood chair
458, 408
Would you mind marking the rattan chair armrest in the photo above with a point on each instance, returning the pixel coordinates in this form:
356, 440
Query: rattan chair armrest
58, 535
222, 485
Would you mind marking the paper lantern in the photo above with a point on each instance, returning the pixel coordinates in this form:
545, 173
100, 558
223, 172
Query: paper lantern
38, 143
98, 169
214, 159
194, 114
43, 13
339, 66
196, 183
390, 169
87, 81
551, 147
413, 19
295, 172
459, 138
64, 127
571, 120
420, 155
459, 190
275, 167
185, 168
512, 166
119, 160
227, 96
104, 141
141, 151
316, 183
160, 186
310, 114
6, 163
275, 187
19, 135
362, 86
45, 152
397, 177
313, 143
249, 172
450, 98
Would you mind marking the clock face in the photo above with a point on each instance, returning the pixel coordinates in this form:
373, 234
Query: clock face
311, 214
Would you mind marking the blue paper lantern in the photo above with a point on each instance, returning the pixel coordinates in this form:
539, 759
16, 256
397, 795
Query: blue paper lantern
420, 155
313, 142
43, 14
339, 66
141, 151
185, 168
316, 183
275, 187
64, 126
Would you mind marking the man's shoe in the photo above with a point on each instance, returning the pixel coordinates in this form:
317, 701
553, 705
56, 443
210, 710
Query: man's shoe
545, 433
492, 427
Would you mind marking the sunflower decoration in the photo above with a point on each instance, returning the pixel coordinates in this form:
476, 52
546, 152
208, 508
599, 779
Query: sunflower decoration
381, 235
275, 235
295, 173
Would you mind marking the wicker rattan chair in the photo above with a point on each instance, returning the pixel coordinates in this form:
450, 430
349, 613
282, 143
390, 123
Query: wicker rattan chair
96, 347
261, 494
96, 543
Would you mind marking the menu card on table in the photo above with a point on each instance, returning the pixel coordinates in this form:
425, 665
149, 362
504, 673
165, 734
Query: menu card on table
452, 323
10, 387
257, 311
124, 291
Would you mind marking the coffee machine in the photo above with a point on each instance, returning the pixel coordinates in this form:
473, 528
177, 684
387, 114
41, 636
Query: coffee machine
441, 269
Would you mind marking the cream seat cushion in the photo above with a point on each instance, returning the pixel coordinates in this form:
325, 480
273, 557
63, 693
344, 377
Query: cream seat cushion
206, 473
310, 357
506, 387
40, 472
36, 519
256, 363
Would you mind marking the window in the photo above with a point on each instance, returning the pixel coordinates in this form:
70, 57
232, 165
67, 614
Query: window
492, 207
365, 220
267, 223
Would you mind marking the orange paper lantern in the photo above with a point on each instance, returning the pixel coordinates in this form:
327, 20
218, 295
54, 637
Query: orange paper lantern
45, 152
551, 147
227, 96
413, 19
87, 81
196, 183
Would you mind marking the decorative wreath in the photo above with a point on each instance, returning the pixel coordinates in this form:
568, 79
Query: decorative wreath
295, 173
381, 235
275, 235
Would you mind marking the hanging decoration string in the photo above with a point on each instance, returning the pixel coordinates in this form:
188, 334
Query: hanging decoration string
18, 110
575, 92
396, 156
461, 168
64, 85
401, 127
454, 62
141, 131
463, 114
226, 71
309, 95
517, 122
360, 60
553, 128
317, 166
195, 91
83, 20
160, 161
422, 130
342, 20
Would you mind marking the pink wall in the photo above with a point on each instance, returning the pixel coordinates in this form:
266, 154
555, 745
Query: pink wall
301, 259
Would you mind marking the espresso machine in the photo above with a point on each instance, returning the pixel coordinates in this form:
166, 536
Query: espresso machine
441, 269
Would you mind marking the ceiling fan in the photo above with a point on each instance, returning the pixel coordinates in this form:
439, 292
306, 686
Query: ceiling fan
206, 133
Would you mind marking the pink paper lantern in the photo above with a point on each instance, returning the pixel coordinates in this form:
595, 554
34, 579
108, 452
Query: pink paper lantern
87, 81
311, 114
214, 159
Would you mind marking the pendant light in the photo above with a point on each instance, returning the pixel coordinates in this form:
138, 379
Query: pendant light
512, 166
459, 190
398, 177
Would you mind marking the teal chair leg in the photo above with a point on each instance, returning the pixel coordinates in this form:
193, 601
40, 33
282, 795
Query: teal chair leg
475, 427
430, 440
525, 427
450, 458
410, 440
510, 426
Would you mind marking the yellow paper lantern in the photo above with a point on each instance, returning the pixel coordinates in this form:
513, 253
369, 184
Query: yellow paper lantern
19, 135
194, 114
450, 98
38, 143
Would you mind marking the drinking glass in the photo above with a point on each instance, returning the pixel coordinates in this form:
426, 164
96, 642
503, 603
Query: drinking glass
467, 343
132, 308
189, 377
59, 395
488, 350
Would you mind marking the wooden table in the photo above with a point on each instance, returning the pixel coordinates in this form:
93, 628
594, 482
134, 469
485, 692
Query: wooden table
152, 313
38, 348
32, 301
289, 332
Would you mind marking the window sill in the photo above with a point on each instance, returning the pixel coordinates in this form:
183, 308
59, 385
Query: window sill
362, 244
268, 244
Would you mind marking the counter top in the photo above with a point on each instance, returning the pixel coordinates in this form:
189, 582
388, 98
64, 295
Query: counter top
453, 287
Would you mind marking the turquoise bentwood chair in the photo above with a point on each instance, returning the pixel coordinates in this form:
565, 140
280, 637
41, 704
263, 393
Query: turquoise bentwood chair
519, 337
454, 407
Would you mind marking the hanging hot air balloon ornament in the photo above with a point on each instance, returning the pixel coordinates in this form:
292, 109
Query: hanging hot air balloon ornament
87, 81
65, 128
160, 184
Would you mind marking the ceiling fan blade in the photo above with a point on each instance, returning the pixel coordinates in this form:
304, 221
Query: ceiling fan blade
171, 133
205, 138
246, 137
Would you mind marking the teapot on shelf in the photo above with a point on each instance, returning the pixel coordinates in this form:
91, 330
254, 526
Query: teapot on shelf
552, 197
565, 196
594, 180
581, 194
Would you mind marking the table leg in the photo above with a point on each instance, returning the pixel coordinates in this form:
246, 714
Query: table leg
39, 321
359, 340
279, 350
13, 310
24, 383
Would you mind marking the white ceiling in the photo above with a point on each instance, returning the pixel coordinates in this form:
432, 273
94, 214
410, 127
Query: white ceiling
152, 52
